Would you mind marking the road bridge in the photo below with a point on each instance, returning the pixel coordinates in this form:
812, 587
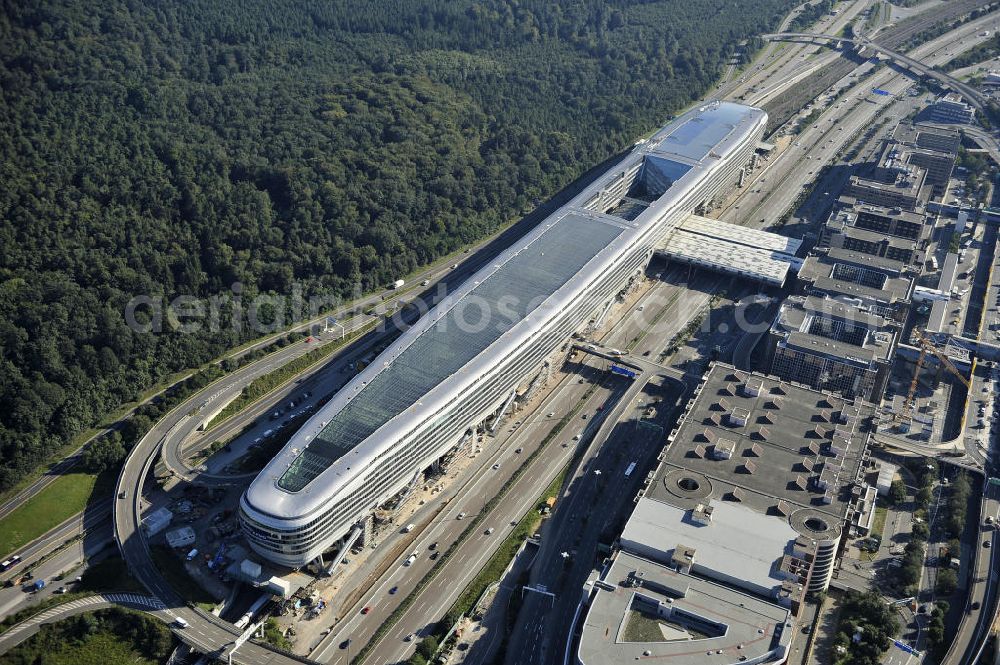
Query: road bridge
915, 66
29, 627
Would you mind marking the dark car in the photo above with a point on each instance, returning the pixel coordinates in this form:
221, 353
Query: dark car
393, 590
433, 546
346, 643
434, 555
366, 610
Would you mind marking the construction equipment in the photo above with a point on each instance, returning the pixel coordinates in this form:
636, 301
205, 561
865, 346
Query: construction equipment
925, 346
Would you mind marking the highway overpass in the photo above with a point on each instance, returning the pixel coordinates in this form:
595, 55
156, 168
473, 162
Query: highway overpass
915, 66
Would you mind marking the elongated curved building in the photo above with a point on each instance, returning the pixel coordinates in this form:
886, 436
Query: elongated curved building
462, 360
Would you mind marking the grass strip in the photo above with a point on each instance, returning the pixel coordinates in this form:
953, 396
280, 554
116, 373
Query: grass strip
64, 497
498, 563
473, 526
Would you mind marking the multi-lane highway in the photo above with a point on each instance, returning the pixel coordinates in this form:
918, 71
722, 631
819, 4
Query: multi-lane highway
209, 634
465, 561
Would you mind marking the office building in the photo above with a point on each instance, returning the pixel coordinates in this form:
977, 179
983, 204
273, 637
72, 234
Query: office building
877, 285
833, 345
950, 109
464, 359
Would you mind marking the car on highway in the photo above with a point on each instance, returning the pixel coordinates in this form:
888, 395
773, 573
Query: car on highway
181, 622
987, 543
366, 609
577, 437
489, 532
496, 466
123, 494
518, 451
461, 516
346, 643
408, 638
393, 590
434, 556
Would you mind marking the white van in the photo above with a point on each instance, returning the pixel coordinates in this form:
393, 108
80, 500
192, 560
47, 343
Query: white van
409, 527
181, 623
192, 554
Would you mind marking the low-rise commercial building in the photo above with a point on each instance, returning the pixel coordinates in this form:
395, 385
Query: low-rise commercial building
755, 486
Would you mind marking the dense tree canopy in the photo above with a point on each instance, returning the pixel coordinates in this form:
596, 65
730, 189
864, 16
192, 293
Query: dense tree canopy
170, 148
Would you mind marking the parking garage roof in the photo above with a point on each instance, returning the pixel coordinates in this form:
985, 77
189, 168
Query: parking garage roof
753, 627
785, 424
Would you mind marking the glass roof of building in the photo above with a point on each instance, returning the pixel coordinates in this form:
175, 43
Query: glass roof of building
696, 137
668, 168
490, 309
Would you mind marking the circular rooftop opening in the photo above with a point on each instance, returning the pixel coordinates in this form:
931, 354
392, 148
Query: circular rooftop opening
816, 524
688, 484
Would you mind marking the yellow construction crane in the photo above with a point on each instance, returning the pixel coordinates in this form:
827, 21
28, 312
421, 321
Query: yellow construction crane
925, 346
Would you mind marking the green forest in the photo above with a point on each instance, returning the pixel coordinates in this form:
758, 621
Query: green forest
170, 148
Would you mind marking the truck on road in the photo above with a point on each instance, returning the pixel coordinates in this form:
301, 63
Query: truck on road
398, 284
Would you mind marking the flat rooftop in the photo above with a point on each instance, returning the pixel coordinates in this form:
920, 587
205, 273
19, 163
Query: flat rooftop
906, 185
937, 139
846, 256
874, 237
936, 322
848, 273
790, 434
901, 214
835, 329
949, 269
644, 610
740, 235
714, 253
739, 543
817, 345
